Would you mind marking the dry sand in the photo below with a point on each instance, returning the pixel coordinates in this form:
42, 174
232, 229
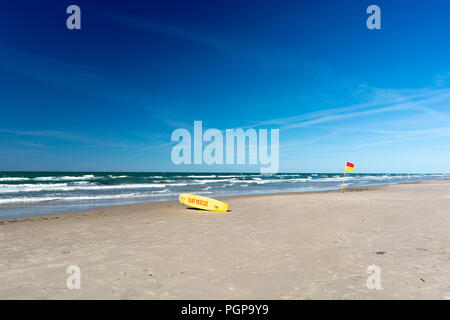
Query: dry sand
284, 246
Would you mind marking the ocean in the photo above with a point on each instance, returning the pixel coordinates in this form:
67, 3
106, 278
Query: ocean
31, 193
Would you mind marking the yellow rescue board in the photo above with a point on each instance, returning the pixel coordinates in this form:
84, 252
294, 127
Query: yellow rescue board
204, 203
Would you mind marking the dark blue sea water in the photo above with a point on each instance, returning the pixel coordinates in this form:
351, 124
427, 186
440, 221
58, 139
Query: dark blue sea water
31, 193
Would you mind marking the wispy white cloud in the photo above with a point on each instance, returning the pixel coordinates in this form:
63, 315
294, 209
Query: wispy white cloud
170, 30
59, 135
32, 145
391, 119
262, 54
76, 76
400, 101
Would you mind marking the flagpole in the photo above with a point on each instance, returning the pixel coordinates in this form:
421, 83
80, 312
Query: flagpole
343, 180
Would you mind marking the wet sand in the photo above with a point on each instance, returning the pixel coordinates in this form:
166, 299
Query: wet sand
282, 246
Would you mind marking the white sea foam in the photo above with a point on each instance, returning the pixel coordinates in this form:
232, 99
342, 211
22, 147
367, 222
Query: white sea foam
65, 178
77, 198
14, 179
9, 188
205, 181
231, 176
206, 176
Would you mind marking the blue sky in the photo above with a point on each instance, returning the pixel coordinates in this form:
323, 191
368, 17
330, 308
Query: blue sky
107, 97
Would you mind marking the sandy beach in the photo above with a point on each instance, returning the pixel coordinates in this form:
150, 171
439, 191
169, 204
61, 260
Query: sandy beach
281, 246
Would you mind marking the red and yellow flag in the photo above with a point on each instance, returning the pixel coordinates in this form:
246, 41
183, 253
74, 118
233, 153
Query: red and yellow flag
349, 166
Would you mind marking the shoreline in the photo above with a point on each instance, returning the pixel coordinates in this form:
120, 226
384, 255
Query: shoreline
221, 198
279, 246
